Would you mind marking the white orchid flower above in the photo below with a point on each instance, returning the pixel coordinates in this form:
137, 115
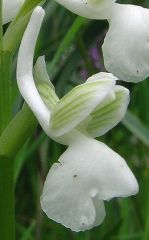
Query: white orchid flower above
93, 9
126, 45
10, 9
88, 172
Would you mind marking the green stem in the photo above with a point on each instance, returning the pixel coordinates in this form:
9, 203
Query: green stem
1, 27
5, 90
12, 139
5, 81
15, 133
7, 213
7, 216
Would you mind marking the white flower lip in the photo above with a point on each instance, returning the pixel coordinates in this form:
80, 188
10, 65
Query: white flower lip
91, 9
10, 9
87, 173
125, 48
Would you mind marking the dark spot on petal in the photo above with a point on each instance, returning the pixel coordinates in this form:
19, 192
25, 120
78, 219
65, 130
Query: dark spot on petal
75, 175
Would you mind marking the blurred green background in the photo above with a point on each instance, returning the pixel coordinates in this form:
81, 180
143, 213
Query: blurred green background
72, 46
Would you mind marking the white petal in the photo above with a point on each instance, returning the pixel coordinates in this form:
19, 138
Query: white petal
10, 9
75, 106
126, 45
102, 76
25, 70
109, 114
45, 87
87, 173
94, 9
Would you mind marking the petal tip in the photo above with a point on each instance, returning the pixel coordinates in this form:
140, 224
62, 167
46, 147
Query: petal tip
39, 11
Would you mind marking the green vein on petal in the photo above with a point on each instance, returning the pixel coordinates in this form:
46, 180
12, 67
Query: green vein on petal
76, 106
44, 85
107, 116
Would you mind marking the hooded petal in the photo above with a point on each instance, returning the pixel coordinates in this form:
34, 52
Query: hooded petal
25, 78
75, 106
87, 173
10, 9
126, 45
45, 87
109, 114
94, 9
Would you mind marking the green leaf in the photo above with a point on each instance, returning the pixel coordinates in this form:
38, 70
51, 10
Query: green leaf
134, 124
29, 230
67, 40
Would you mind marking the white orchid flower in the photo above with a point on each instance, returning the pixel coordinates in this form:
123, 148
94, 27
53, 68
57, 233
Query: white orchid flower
93, 9
88, 172
10, 9
126, 45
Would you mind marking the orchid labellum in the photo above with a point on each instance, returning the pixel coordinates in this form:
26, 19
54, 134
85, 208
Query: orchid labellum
88, 172
10, 9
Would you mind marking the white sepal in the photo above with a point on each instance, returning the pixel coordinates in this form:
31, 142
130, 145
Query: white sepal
92, 9
109, 114
75, 106
10, 9
126, 45
25, 78
87, 173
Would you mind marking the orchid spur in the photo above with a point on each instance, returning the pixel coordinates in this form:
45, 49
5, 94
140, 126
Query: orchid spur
10, 9
88, 172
